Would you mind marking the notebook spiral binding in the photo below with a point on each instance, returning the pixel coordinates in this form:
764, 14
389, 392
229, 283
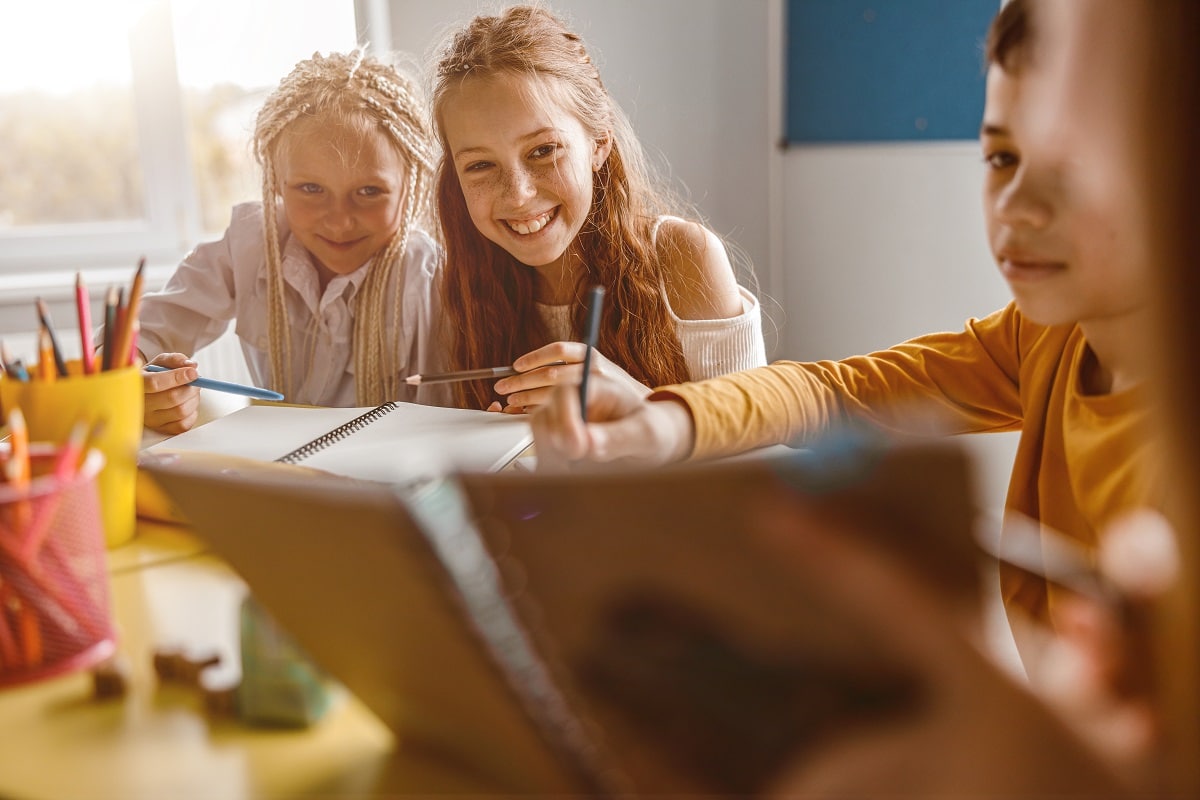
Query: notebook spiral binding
337, 434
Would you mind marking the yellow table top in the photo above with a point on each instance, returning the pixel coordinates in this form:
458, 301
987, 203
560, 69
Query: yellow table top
158, 741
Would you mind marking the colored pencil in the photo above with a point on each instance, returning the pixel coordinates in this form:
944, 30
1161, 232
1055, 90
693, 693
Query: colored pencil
13, 366
18, 470
48, 326
469, 375
224, 386
84, 310
46, 368
129, 312
66, 461
111, 301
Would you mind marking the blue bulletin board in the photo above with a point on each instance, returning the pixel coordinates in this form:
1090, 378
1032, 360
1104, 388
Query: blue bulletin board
888, 70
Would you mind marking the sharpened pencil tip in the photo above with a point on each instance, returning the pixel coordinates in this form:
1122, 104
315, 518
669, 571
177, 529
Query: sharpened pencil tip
413, 380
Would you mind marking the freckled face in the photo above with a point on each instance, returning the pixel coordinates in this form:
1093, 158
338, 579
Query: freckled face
342, 191
525, 168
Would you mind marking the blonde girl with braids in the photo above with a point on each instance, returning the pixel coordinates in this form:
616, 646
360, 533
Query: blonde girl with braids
542, 192
330, 278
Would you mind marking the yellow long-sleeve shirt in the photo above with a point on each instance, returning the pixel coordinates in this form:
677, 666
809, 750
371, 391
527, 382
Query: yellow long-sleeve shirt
1081, 458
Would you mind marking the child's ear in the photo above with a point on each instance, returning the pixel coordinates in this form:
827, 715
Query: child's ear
603, 148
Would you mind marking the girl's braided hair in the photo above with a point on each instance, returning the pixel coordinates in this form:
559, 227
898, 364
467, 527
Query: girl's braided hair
355, 91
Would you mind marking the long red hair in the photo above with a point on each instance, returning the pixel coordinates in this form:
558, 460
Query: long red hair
488, 296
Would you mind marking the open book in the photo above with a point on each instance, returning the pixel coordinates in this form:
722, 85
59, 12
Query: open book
589, 634
394, 442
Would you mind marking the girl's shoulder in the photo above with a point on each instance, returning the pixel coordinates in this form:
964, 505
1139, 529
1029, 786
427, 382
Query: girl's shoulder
423, 252
245, 215
676, 233
697, 273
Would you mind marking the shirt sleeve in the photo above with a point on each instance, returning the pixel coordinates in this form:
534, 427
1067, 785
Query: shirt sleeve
713, 347
421, 329
941, 383
195, 306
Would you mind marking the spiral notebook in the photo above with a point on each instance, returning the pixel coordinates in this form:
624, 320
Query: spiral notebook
392, 443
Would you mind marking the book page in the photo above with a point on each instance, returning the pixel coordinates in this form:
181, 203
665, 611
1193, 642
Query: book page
419, 441
407, 442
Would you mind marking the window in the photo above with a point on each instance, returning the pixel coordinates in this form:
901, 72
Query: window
126, 124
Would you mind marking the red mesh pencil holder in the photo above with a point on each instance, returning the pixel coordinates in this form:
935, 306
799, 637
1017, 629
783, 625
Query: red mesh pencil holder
54, 591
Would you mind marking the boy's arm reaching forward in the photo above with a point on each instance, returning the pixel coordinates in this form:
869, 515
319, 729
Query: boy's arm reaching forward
622, 425
940, 383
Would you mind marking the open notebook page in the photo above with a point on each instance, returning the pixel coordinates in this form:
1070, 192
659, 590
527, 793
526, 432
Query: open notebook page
409, 440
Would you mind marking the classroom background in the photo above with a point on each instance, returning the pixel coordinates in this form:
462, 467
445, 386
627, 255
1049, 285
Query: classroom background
148, 104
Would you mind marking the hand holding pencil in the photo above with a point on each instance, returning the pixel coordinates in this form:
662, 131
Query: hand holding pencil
171, 402
531, 379
172, 392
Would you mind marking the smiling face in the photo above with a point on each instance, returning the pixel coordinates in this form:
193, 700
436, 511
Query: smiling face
1068, 254
525, 168
342, 191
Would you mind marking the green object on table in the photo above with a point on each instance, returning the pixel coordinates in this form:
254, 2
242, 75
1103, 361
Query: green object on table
281, 686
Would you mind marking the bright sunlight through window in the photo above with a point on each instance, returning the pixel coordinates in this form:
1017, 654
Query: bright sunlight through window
88, 100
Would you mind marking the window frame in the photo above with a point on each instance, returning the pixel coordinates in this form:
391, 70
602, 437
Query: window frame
33, 255
171, 219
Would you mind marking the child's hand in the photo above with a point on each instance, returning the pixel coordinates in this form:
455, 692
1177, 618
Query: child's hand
1095, 670
621, 426
549, 366
171, 405
973, 733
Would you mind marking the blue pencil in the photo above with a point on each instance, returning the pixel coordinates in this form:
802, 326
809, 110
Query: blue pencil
224, 386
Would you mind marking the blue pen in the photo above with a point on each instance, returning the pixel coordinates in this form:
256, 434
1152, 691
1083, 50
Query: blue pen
224, 386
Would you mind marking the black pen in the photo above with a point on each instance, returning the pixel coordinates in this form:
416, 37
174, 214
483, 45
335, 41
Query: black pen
595, 305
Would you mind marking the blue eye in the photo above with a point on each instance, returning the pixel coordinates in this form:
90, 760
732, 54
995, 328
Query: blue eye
544, 150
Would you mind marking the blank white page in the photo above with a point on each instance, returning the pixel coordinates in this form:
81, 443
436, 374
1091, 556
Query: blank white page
409, 441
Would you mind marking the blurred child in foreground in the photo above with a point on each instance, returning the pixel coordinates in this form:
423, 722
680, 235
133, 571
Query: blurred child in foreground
1121, 92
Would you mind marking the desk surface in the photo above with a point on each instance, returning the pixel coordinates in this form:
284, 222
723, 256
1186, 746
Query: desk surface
158, 741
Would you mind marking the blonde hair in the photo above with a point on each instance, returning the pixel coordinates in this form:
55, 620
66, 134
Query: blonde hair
359, 92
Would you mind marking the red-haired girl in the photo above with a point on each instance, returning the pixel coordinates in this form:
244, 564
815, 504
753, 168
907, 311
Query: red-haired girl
543, 191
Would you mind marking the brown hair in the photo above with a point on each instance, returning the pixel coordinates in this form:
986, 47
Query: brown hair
359, 92
1007, 42
488, 295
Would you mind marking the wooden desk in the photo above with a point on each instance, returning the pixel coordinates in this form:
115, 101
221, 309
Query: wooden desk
158, 742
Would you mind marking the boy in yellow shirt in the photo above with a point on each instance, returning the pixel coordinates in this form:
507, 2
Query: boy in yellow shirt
1059, 364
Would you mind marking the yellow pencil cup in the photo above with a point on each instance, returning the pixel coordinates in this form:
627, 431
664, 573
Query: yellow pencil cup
51, 409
